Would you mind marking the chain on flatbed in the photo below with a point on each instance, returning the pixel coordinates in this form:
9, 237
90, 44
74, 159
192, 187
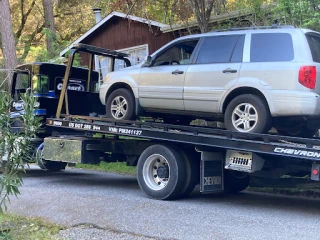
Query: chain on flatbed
290, 147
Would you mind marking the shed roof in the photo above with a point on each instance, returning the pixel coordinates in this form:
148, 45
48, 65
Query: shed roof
107, 18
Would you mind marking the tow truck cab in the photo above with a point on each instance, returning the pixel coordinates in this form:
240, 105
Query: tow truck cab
45, 81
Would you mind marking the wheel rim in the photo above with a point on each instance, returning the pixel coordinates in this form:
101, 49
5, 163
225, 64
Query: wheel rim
156, 172
244, 117
119, 107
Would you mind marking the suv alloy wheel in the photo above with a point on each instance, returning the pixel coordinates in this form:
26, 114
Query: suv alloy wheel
120, 105
248, 113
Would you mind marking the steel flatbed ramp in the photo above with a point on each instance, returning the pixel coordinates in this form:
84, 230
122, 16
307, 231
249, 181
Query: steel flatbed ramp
203, 137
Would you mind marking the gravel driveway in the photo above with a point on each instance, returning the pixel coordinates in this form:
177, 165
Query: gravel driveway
96, 205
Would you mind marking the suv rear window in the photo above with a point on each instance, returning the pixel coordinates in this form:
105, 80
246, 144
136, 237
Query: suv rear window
314, 44
271, 47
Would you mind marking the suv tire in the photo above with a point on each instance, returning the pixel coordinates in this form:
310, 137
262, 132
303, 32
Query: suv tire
120, 105
247, 113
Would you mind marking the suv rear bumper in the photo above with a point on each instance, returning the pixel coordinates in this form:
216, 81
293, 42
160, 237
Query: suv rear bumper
294, 103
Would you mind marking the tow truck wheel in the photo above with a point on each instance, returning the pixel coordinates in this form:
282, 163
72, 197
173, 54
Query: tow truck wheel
161, 172
48, 165
120, 105
192, 173
235, 181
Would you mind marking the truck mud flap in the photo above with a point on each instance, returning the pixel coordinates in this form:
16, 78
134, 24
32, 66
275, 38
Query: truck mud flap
211, 172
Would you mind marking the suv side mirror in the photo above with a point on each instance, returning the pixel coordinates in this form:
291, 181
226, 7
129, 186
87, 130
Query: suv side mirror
148, 62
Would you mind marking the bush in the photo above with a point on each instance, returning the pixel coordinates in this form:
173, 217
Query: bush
15, 146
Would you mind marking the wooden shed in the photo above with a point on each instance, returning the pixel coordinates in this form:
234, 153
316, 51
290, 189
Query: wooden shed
137, 36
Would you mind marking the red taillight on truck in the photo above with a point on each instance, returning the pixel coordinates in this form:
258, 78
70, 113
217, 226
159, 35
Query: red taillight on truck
307, 76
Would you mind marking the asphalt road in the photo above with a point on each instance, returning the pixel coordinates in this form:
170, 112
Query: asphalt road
112, 201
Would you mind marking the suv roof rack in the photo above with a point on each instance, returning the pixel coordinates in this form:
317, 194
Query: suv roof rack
253, 28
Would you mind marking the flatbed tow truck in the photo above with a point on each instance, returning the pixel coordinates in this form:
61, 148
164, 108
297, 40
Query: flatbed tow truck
172, 159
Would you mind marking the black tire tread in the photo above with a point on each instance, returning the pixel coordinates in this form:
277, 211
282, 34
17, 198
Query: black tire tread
53, 166
234, 185
177, 169
193, 172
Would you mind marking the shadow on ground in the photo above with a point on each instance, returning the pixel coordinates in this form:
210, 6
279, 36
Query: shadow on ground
83, 179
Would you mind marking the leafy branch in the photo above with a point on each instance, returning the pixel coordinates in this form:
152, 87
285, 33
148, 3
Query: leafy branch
15, 145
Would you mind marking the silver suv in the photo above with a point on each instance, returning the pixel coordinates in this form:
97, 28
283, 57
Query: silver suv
253, 79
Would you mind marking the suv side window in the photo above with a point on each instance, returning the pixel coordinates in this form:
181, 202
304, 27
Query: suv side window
271, 47
221, 49
179, 53
238, 50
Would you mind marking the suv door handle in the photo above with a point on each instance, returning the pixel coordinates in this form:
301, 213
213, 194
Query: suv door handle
229, 70
175, 72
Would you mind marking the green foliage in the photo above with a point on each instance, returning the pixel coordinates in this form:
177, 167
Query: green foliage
73, 18
21, 228
4, 76
302, 13
40, 53
15, 146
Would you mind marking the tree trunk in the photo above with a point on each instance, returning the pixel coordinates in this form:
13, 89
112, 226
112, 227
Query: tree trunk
202, 10
49, 24
7, 37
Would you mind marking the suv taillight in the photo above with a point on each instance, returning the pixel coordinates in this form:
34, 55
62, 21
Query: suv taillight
307, 76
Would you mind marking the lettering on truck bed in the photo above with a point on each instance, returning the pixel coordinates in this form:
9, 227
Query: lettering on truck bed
127, 131
297, 152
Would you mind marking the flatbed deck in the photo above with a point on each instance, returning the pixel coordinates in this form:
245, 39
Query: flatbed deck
290, 147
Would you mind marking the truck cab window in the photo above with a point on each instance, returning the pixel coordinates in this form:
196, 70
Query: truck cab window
22, 81
40, 84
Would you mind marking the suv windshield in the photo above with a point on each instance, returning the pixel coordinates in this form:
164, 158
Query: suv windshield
314, 44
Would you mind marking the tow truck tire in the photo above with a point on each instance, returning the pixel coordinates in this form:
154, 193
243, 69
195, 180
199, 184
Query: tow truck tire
48, 165
193, 173
53, 166
235, 181
123, 100
161, 172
